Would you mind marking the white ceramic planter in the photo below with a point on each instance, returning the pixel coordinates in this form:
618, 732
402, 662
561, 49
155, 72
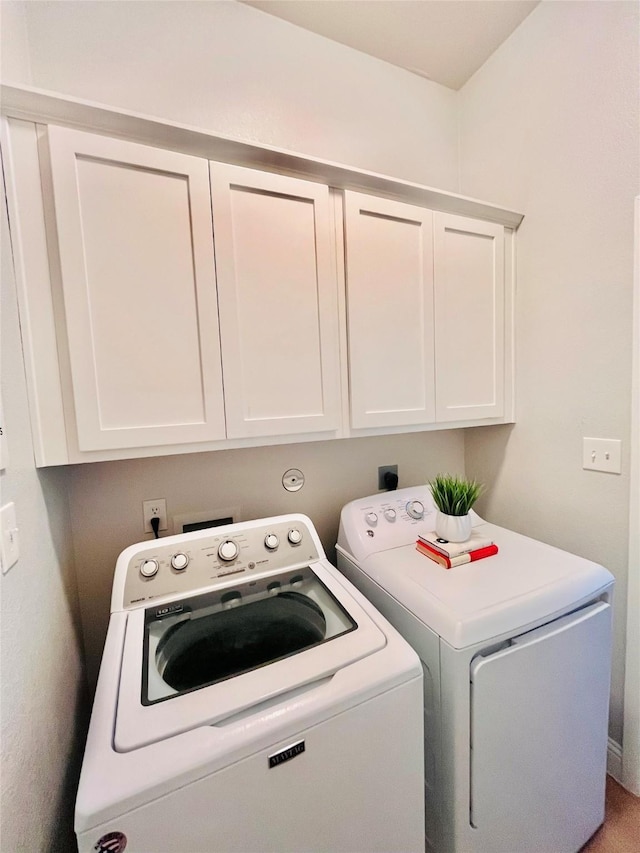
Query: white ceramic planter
453, 528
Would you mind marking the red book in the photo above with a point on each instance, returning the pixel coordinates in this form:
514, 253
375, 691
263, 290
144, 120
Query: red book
452, 562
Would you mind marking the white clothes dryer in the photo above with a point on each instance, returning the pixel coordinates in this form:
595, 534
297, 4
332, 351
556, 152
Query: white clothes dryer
516, 651
250, 699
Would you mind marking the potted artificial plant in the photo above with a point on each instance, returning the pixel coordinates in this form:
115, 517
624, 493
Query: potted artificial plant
454, 497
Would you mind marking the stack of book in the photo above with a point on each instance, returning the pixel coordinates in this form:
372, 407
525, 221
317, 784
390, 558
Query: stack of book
451, 554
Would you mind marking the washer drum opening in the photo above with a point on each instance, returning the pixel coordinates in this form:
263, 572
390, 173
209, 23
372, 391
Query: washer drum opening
201, 651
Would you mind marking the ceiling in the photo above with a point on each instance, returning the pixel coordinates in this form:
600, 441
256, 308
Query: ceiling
443, 40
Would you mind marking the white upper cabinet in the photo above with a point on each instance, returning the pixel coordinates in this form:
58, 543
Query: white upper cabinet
138, 279
173, 303
469, 318
426, 304
389, 275
278, 298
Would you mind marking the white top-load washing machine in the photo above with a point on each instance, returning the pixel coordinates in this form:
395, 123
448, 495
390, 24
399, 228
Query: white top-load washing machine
250, 699
516, 651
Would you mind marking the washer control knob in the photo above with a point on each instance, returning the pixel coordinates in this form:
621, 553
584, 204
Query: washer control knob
415, 509
390, 514
179, 561
271, 541
371, 518
227, 550
149, 568
294, 536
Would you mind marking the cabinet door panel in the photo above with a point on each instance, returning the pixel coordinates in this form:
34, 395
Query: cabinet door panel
389, 265
278, 303
138, 277
469, 318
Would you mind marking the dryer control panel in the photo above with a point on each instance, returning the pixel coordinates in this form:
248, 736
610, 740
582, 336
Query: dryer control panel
387, 520
179, 565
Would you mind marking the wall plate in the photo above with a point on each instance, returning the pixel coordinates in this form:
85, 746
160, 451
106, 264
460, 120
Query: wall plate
9, 536
293, 480
602, 454
385, 469
205, 519
156, 508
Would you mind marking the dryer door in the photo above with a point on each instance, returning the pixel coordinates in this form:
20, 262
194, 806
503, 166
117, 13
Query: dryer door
539, 711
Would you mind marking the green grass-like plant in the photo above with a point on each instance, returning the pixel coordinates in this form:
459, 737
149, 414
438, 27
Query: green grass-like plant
454, 495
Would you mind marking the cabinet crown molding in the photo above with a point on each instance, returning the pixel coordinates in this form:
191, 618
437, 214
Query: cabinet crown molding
42, 106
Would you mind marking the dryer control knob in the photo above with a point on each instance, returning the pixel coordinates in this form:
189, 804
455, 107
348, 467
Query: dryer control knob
149, 568
271, 541
228, 550
390, 514
179, 561
294, 536
415, 509
371, 518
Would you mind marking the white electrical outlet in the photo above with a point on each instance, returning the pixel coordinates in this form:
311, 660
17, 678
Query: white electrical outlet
156, 508
602, 454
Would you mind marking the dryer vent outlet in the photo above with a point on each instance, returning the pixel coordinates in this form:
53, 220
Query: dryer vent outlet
388, 477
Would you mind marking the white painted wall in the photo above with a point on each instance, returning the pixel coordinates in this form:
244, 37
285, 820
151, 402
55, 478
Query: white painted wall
549, 125
14, 56
43, 700
630, 776
229, 68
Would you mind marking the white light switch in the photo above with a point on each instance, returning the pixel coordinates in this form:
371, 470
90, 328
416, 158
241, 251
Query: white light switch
602, 454
9, 536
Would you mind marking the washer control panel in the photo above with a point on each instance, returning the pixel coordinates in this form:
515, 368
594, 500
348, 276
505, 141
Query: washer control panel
206, 559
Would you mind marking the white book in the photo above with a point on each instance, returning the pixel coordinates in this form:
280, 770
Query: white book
454, 549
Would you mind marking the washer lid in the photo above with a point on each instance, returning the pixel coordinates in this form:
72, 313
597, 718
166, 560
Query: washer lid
202, 659
201, 640
525, 582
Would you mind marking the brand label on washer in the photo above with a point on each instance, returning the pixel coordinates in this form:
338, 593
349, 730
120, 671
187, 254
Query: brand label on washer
169, 609
112, 842
286, 754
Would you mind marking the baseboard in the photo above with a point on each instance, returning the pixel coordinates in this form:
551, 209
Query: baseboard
614, 760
